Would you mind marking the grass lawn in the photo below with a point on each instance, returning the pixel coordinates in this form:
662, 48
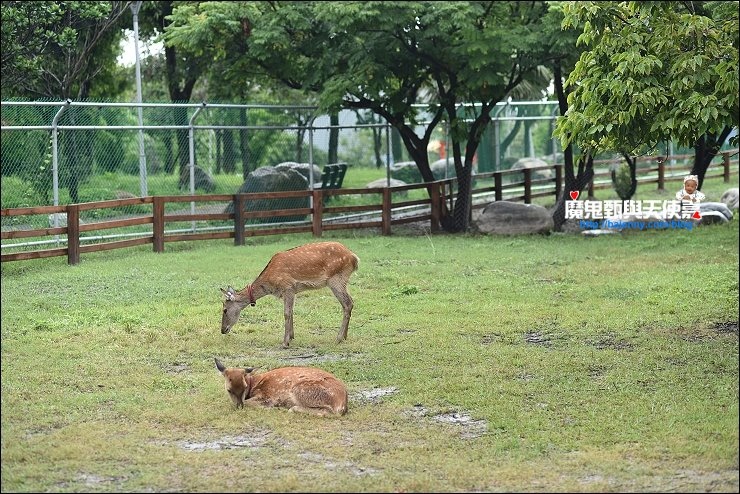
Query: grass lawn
474, 363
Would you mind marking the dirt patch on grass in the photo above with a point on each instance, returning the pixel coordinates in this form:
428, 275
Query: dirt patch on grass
537, 338
252, 440
726, 327
373, 395
92, 482
470, 428
177, 367
611, 342
317, 458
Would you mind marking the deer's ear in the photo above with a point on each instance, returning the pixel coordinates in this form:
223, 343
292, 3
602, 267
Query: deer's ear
219, 365
229, 293
249, 370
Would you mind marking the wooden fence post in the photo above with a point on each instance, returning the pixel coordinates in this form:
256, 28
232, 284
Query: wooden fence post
726, 165
498, 186
73, 234
238, 219
527, 186
158, 224
386, 213
318, 211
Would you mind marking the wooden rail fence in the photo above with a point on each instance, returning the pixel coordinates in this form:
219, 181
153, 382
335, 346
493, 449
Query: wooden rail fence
439, 195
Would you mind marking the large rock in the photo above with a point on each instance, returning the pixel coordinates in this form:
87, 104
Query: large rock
406, 171
712, 218
731, 198
545, 174
274, 179
719, 207
203, 180
438, 168
382, 182
513, 218
304, 169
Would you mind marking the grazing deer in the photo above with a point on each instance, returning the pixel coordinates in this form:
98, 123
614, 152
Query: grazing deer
307, 267
300, 389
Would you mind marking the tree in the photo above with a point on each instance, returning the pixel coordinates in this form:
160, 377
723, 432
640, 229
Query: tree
653, 72
182, 69
63, 50
562, 56
386, 57
59, 50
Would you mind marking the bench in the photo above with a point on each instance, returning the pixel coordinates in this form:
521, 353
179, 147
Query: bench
332, 176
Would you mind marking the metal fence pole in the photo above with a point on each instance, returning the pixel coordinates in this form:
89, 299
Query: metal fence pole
142, 152
191, 142
311, 202
388, 154
55, 159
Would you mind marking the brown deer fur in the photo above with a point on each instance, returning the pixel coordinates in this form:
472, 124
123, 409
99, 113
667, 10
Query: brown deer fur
310, 266
300, 389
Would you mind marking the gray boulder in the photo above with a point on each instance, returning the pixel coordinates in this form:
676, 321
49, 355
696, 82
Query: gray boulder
719, 207
512, 218
203, 180
382, 182
712, 218
61, 220
438, 168
545, 174
273, 179
304, 169
406, 171
731, 198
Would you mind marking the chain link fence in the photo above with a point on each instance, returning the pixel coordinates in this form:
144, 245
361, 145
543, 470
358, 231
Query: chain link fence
57, 153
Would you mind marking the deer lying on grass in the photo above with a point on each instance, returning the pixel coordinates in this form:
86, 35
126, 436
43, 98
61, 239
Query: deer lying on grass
307, 267
300, 389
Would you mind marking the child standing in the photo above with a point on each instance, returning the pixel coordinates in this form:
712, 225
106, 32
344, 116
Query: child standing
689, 191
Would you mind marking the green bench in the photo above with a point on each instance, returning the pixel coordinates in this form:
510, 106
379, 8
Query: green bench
332, 176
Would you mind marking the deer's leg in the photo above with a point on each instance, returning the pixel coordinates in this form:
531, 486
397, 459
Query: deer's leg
288, 301
339, 288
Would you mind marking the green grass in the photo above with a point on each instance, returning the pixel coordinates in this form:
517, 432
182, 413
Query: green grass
603, 364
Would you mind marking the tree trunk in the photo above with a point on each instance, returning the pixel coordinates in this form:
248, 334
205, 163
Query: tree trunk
219, 146
229, 156
705, 149
528, 144
333, 156
504, 145
626, 194
377, 146
573, 182
299, 141
244, 143
169, 155
396, 145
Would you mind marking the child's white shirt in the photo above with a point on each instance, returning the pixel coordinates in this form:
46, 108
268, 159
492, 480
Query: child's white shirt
697, 196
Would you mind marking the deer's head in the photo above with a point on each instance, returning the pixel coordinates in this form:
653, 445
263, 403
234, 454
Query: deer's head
233, 305
236, 382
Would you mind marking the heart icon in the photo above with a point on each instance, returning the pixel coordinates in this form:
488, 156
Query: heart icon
574, 194
696, 215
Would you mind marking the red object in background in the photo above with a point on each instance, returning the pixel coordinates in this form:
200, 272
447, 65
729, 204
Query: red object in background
441, 149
